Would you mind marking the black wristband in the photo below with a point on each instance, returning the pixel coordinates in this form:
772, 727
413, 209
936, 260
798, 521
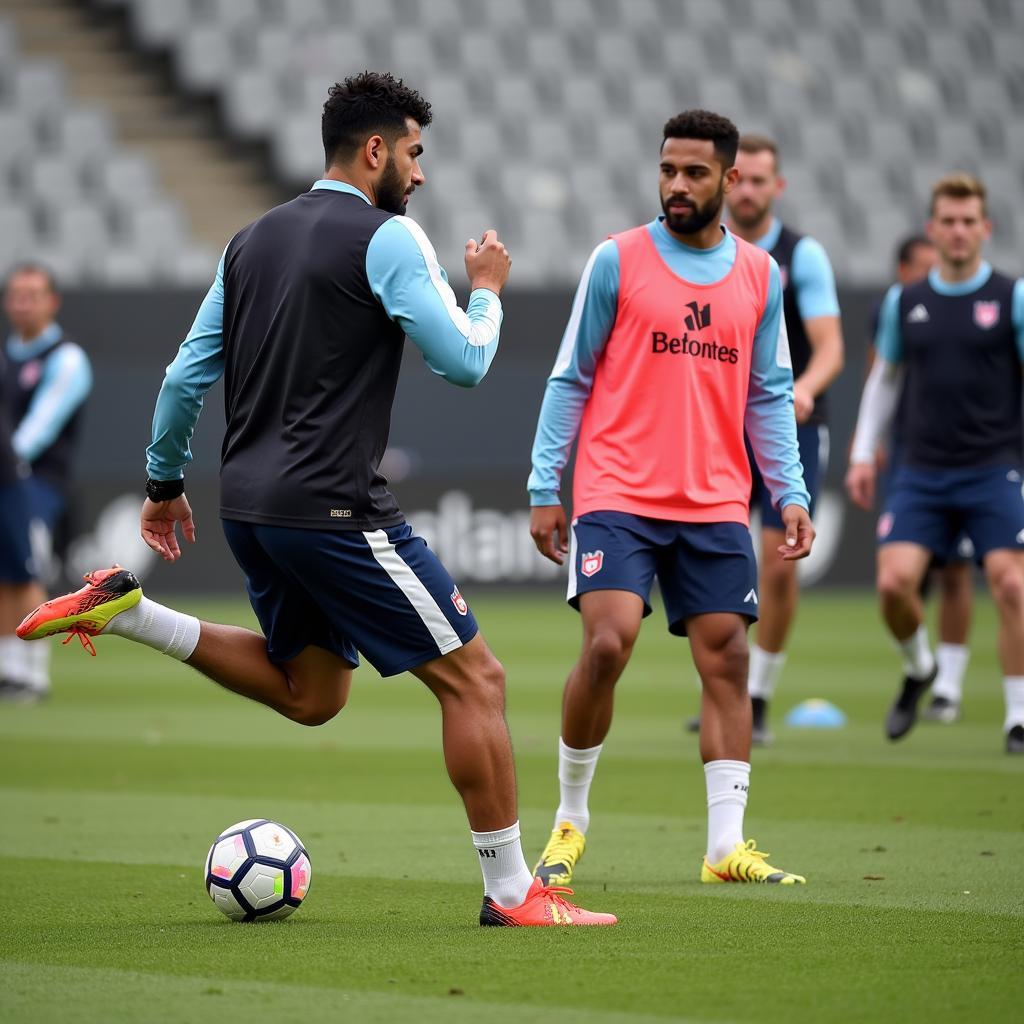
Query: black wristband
164, 490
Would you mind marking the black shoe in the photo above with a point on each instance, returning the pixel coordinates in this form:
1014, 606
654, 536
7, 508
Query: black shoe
15, 692
692, 724
1015, 740
942, 709
761, 735
903, 714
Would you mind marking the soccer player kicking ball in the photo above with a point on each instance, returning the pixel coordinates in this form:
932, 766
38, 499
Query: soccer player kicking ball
958, 338
675, 344
306, 321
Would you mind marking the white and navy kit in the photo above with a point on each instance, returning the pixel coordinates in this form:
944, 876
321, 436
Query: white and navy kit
51, 378
962, 435
306, 321
808, 291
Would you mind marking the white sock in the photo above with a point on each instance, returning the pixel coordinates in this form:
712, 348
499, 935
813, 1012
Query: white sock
38, 664
575, 774
1013, 689
918, 661
765, 668
506, 876
14, 655
952, 659
727, 782
165, 630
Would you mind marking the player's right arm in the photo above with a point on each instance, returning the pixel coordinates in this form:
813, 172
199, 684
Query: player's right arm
590, 325
198, 365
878, 402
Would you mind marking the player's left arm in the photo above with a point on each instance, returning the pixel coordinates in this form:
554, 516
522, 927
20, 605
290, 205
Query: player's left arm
198, 365
818, 304
771, 425
65, 385
1017, 315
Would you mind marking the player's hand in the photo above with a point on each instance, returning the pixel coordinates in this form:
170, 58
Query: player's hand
549, 533
799, 533
158, 521
860, 484
487, 262
803, 403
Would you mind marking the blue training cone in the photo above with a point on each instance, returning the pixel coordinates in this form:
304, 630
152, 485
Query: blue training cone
816, 714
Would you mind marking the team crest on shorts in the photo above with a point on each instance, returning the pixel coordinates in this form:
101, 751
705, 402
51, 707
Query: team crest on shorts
986, 314
591, 562
885, 521
460, 602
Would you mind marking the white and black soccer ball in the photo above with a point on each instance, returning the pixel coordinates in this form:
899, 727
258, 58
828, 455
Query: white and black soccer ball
257, 870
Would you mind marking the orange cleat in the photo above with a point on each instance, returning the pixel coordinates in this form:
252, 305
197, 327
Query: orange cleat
86, 612
544, 905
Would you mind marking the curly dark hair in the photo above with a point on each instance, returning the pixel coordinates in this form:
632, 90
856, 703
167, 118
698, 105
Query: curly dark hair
367, 104
703, 124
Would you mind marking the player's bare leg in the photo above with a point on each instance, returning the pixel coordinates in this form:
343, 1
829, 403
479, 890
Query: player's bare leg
310, 688
611, 623
956, 599
901, 568
1004, 571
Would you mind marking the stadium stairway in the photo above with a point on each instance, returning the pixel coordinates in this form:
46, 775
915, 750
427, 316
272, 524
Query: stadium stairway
219, 188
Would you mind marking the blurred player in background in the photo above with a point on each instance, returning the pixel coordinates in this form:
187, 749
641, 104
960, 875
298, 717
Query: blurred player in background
51, 379
811, 309
958, 336
915, 257
18, 589
307, 321
676, 341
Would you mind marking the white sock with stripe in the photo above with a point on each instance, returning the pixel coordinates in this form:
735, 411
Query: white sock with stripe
506, 876
727, 784
1013, 690
575, 774
165, 630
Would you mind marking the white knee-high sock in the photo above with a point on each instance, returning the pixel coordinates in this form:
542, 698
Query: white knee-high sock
727, 783
575, 774
506, 876
918, 660
38, 663
165, 630
765, 668
952, 659
1013, 690
14, 659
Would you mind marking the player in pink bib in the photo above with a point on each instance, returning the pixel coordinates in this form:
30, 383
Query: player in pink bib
675, 345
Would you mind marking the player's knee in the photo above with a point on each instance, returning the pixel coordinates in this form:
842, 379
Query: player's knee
608, 650
894, 583
1007, 585
778, 577
319, 707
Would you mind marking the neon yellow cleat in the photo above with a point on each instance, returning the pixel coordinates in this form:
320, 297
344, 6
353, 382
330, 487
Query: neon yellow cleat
564, 849
746, 863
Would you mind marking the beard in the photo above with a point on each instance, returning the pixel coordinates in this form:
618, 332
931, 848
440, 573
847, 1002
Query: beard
391, 190
695, 219
748, 216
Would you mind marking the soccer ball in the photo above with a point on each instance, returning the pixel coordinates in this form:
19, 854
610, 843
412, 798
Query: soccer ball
257, 870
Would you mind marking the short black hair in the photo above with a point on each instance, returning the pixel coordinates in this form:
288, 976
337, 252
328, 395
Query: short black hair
367, 104
32, 267
905, 250
703, 124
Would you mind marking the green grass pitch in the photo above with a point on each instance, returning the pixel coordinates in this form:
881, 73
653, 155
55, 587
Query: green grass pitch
112, 791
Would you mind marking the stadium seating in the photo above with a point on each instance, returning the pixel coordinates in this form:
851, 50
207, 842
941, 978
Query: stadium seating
872, 100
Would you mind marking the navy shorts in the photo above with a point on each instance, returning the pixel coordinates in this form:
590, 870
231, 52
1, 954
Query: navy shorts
813, 439
934, 507
701, 567
382, 593
16, 562
46, 503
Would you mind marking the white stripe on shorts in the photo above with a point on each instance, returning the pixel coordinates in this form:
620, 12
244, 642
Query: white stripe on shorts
571, 593
411, 585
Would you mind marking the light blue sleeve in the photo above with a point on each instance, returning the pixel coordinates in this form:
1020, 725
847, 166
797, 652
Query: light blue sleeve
568, 388
888, 340
196, 368
404, 274
770, 421
814, 280
1017, 315
65, 385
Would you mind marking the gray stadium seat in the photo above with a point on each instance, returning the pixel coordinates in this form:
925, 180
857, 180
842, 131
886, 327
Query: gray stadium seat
204, 58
